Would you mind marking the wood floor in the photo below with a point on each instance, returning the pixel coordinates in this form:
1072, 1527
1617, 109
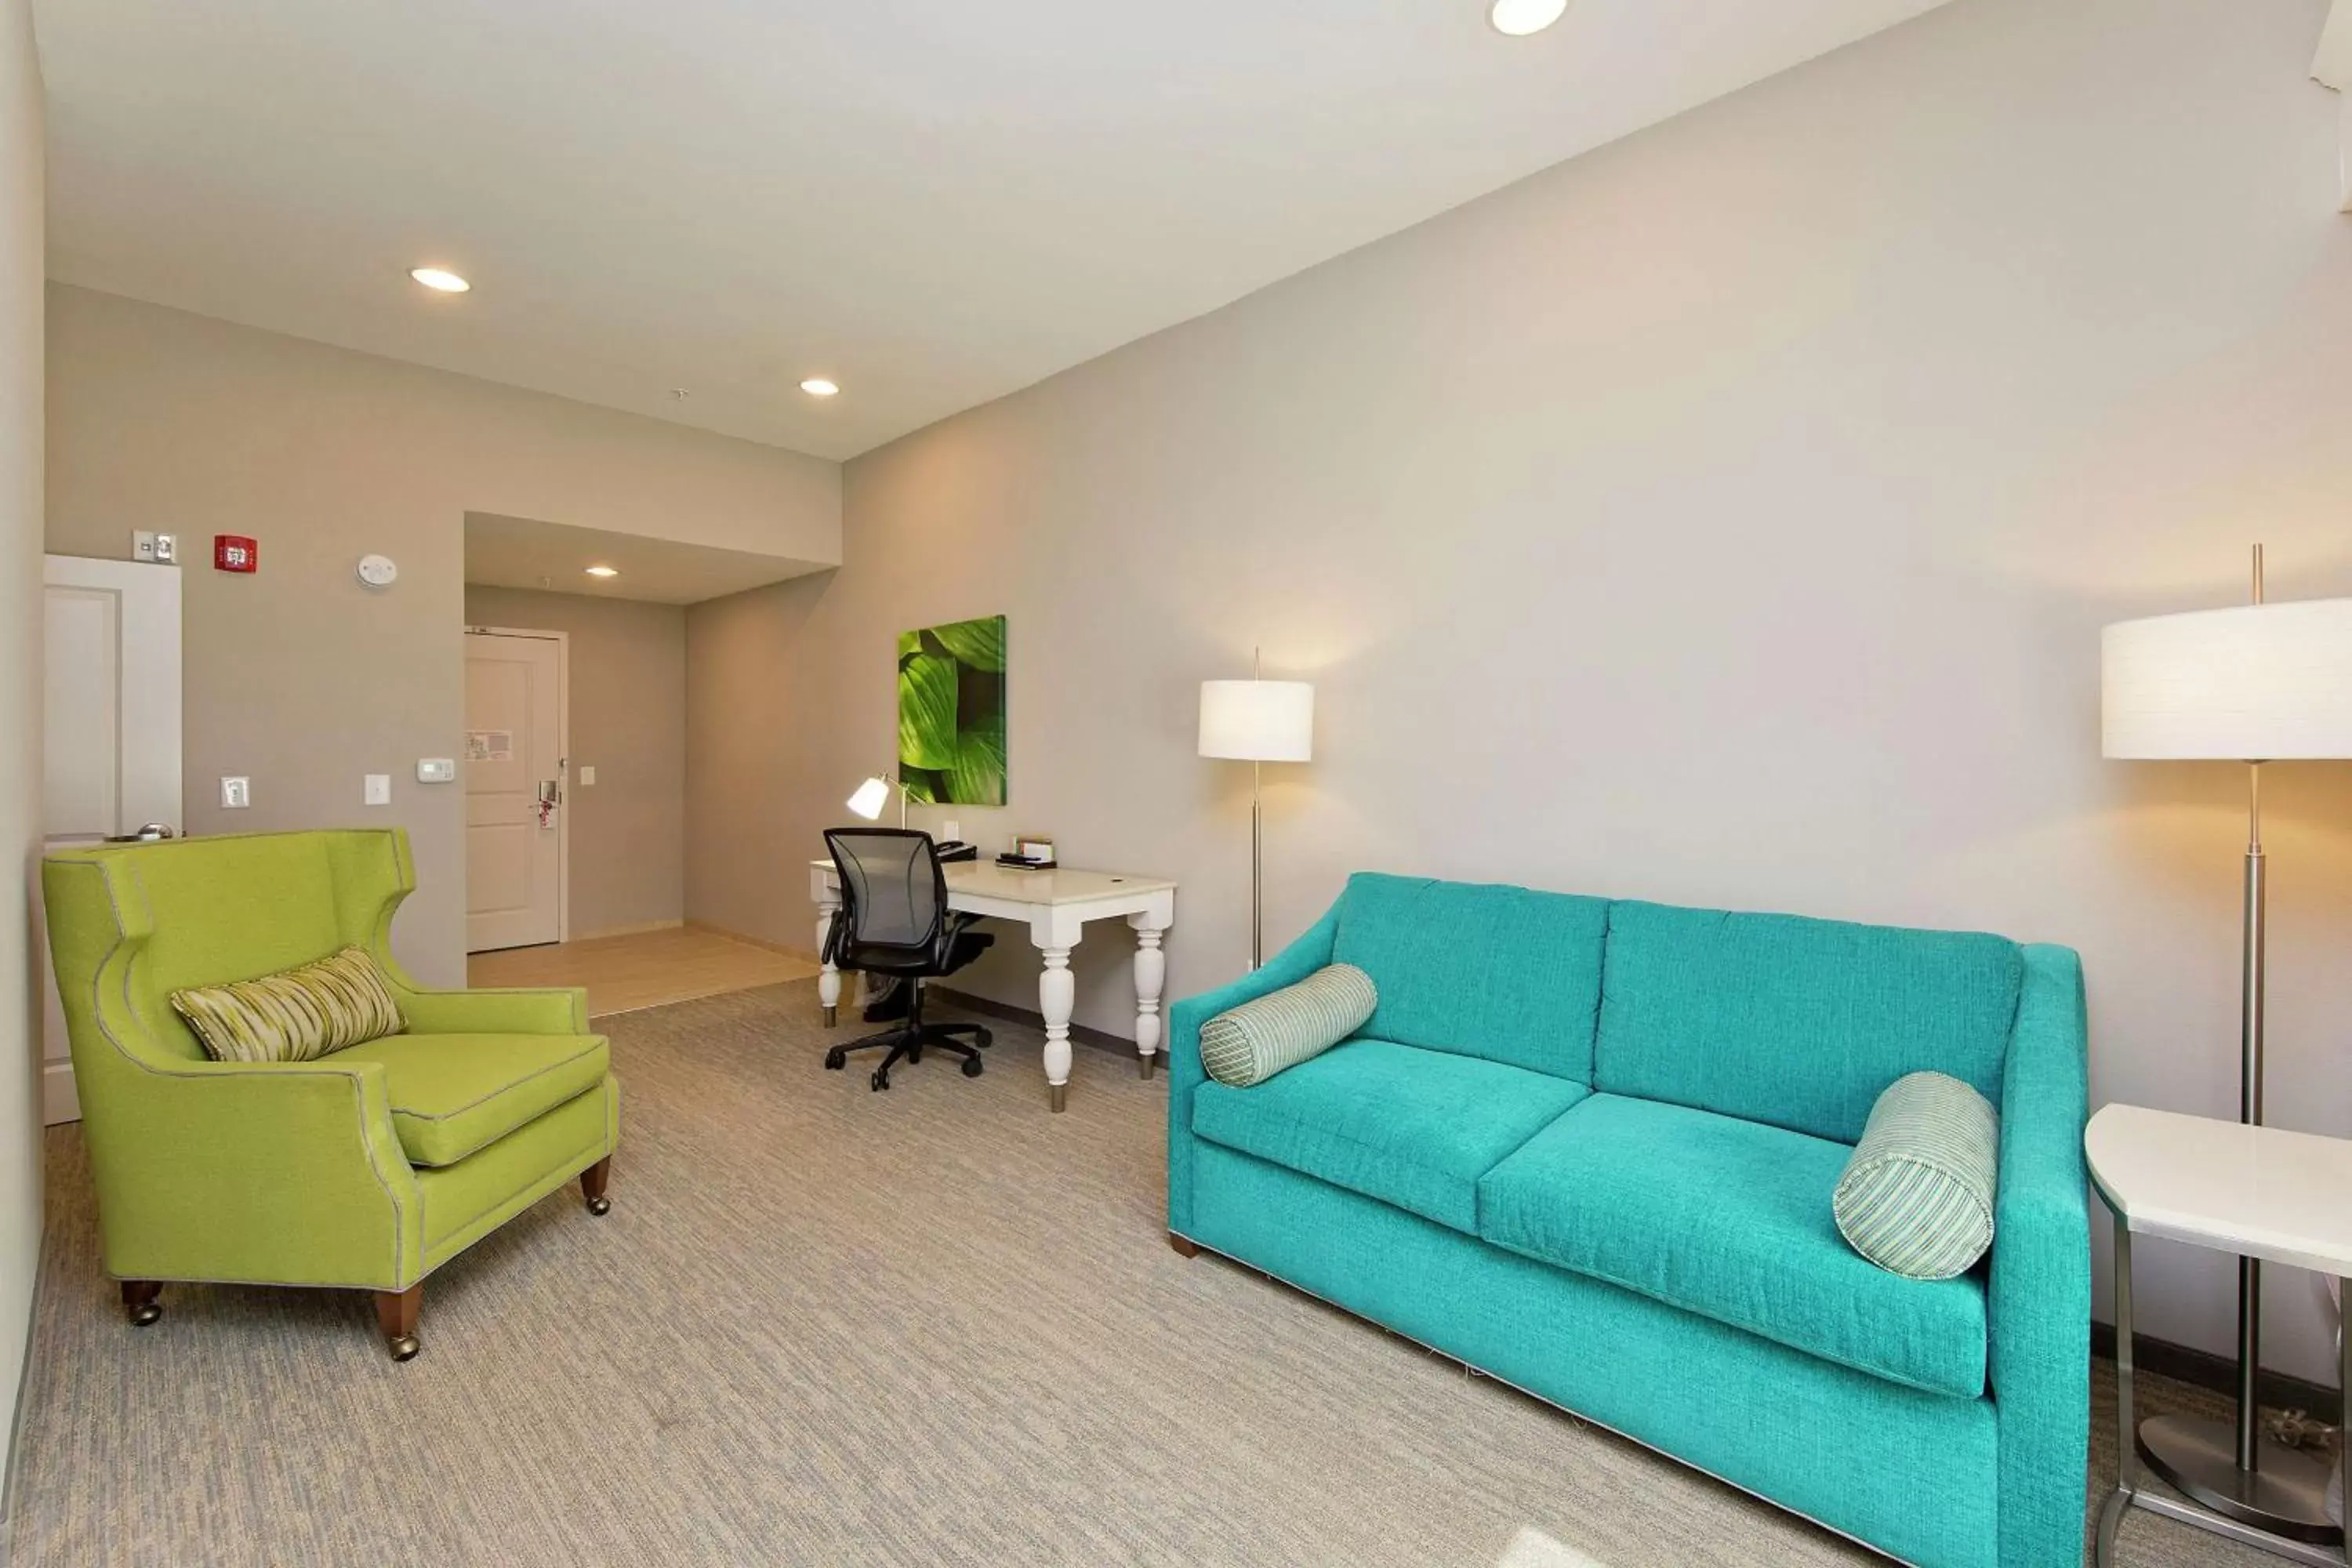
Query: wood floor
646, 969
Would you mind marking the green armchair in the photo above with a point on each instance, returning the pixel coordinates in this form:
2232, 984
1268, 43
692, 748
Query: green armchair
366, 1169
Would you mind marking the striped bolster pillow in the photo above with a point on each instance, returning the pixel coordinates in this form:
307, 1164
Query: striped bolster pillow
1916, 1198
295, 1016
1252, 1042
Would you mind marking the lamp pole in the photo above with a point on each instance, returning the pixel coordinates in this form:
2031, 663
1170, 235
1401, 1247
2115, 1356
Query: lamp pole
1257, 863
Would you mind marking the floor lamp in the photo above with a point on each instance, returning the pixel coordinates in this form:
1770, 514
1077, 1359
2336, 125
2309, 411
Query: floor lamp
1258, 722
2258, 684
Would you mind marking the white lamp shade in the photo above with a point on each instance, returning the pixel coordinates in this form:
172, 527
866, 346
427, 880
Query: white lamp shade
871, 797
2258, 683
1258, 721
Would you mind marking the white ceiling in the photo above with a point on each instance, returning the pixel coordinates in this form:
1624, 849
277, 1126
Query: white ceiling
933, 202
523, 553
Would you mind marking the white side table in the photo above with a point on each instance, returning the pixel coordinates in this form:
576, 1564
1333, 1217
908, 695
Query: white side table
2258, 1191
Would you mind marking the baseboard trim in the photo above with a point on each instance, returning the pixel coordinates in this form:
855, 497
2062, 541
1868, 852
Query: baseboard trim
1100, 1039
2203, 1369
639, 929
806, 955
60, 1100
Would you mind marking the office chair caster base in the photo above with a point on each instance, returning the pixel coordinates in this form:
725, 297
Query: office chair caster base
972, 1066
404, 1347
143, 1299
835, 1060
881, 1079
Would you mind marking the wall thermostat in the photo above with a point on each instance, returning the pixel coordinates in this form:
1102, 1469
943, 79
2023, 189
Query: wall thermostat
378, 571
436, 770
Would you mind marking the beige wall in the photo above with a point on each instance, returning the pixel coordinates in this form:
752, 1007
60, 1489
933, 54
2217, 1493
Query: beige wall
20, 701
1724, 517
628, 722
298, 677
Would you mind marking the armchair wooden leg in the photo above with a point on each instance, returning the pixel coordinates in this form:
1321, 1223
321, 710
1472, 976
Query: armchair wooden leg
143, 1299
591, 1185
396, 1312
1184, 1245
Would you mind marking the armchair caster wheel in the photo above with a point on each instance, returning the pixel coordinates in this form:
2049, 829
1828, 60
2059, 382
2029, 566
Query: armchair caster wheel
143, 1299
972, 1066
600, 1206
404, 1347
836, 1058
881, 1079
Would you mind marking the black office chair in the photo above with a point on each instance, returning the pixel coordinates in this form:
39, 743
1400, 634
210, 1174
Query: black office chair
895, 921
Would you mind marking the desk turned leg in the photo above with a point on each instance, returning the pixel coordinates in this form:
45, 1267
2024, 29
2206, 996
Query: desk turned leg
1151, 976
1057, 993
2126, 1449
828, 980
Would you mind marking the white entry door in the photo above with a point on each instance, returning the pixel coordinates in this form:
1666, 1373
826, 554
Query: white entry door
110, 715
514, 788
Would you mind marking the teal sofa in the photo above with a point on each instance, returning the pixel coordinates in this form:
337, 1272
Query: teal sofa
1588, 1147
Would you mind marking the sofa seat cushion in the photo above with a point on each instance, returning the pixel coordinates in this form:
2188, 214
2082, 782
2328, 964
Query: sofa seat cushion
453, 1094
1730, 1220
1410, 1127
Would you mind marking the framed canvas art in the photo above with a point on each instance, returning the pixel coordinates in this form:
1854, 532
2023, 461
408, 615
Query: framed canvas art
951, 712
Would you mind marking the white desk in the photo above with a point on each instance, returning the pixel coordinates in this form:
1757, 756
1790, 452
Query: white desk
1055, 906
2259, 1191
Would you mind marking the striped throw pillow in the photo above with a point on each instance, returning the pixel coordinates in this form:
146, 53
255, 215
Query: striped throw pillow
1916, 1198
296, 1014
1252, 1042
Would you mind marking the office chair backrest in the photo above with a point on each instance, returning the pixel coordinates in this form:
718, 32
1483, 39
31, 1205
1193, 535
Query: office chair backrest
893, 893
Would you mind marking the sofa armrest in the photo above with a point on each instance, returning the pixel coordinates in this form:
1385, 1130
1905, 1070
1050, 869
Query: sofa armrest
272, 1172
1294, 963
2039, 1305
546, 1010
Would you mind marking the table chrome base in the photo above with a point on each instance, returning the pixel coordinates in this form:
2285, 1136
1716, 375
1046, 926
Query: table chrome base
2286, 1496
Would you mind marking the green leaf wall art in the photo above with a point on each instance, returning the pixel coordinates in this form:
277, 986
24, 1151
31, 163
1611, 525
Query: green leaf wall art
951, 712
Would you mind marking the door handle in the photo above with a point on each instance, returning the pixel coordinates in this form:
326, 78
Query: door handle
548, 799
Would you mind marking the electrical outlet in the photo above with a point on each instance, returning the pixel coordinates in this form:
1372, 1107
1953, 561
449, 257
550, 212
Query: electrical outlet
237, 792
160, 549
376, 789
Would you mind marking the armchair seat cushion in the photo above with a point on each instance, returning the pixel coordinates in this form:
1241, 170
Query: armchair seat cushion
453, 1094
1730, 1220
1410, 1127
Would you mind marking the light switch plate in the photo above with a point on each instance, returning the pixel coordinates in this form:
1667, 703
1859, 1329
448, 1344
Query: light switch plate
163, 549
376, 789
587, 775
436, 770
952, 831
237, 792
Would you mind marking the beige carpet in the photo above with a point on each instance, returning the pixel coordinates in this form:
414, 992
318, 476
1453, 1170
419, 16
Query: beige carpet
822, 1325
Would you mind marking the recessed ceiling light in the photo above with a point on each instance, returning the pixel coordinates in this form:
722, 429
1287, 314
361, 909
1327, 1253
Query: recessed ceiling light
603, 570
1517, 18
817, 386
439, 280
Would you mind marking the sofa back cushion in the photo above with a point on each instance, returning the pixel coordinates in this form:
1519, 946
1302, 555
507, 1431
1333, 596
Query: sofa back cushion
1793, 1022
1487, 971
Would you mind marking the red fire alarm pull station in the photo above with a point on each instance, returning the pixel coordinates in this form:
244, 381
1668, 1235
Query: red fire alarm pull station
233, 554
